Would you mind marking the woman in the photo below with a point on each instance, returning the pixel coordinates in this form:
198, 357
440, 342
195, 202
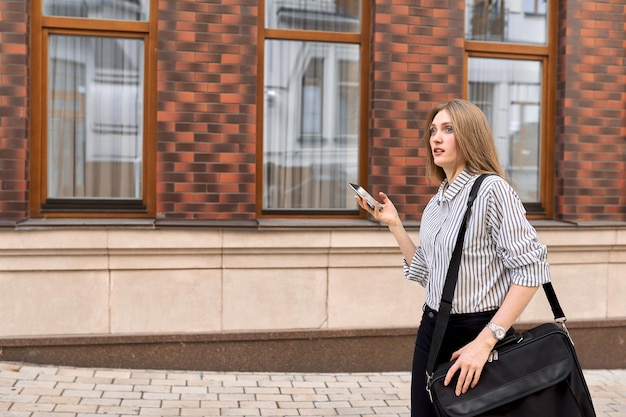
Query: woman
502, 264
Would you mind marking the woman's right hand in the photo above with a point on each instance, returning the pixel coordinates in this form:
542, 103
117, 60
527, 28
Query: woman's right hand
384, 212
387, 214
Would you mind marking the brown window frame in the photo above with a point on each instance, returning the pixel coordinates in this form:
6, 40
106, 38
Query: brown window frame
363, 40
43, 26
547, 55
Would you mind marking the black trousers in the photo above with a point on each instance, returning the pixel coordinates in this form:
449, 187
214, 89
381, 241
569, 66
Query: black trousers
462, 329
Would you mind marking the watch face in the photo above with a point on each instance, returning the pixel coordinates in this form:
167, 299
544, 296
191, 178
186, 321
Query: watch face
498, 332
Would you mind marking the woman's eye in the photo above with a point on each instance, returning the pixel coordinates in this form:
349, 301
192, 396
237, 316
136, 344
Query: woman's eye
433, 131
449, 129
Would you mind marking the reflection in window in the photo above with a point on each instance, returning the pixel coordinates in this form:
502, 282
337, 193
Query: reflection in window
95, 122
536, 6
136, 10
310, 125
347, 123
320, 15
312, 84
507, 21
509, 93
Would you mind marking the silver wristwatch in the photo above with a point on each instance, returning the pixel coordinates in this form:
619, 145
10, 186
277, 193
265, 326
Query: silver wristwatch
498, 332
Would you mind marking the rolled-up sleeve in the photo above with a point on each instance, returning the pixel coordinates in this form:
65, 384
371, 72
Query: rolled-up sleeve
516, 239
417, 270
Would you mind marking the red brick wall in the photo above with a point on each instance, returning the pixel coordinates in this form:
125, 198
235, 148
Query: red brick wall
417, 62
206, 117
591, 111
206, 110
206, 129
13, 110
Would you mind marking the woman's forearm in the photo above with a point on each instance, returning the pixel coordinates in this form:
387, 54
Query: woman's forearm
514, 304
405, 243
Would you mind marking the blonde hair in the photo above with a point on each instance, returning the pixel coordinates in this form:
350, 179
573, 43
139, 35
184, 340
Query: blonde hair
473, 137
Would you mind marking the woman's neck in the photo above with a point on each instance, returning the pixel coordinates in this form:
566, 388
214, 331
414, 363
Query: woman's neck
453, 174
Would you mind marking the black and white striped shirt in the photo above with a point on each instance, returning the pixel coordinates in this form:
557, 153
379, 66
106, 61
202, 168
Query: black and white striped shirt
500, 248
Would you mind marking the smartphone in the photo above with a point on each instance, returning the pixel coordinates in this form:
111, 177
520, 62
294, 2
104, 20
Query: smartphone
361, 192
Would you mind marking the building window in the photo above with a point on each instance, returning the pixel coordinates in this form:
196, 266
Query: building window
312, 138
507, 21
510, 75
92, 155
535, 6
509, 93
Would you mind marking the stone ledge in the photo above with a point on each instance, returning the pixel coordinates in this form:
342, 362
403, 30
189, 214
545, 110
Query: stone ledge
264, 223
599, 345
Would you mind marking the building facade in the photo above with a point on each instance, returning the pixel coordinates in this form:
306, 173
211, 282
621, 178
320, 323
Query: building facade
174, 173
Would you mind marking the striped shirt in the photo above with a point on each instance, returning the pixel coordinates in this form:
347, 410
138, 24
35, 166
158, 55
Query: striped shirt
500, 247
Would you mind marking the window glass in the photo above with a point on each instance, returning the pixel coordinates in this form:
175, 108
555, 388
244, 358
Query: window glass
320, 15
95, 117
535, 6
137, 10
311, 122
510, 94
511, 21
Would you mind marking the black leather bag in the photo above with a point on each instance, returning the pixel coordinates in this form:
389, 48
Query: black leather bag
535, 373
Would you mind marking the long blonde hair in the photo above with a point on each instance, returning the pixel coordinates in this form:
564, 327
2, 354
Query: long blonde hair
473, 137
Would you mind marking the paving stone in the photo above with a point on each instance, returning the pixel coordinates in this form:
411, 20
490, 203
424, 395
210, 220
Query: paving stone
38, 391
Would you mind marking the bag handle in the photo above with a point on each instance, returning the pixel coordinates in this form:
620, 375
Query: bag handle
445, 305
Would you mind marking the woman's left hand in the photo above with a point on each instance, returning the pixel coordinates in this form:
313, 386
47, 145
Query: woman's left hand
469, 363
471, 358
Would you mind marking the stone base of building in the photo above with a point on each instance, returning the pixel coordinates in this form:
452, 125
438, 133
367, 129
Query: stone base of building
599, 345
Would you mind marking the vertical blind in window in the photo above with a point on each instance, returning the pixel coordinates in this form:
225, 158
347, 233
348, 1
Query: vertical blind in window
311, 124
311, 107
509, 93
136, 10
510, 21
318, 15
95, 117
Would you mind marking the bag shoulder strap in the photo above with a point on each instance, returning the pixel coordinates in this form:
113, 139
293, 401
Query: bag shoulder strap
448, 290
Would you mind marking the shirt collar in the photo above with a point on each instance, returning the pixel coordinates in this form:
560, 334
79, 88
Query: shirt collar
447, 193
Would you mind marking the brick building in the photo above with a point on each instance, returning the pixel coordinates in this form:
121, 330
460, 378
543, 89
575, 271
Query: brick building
173, 173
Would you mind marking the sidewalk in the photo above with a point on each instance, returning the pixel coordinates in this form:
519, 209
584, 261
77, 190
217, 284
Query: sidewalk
37, 391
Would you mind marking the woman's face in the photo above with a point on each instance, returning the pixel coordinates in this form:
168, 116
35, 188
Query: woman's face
443, 146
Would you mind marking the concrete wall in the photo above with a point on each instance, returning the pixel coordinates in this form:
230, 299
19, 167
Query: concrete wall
127, 281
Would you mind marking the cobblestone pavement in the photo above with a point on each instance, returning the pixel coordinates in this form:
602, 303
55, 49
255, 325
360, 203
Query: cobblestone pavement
37, 391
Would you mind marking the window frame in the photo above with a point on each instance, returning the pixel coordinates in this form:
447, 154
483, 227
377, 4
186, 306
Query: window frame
547, 55
42, 28
363, 40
